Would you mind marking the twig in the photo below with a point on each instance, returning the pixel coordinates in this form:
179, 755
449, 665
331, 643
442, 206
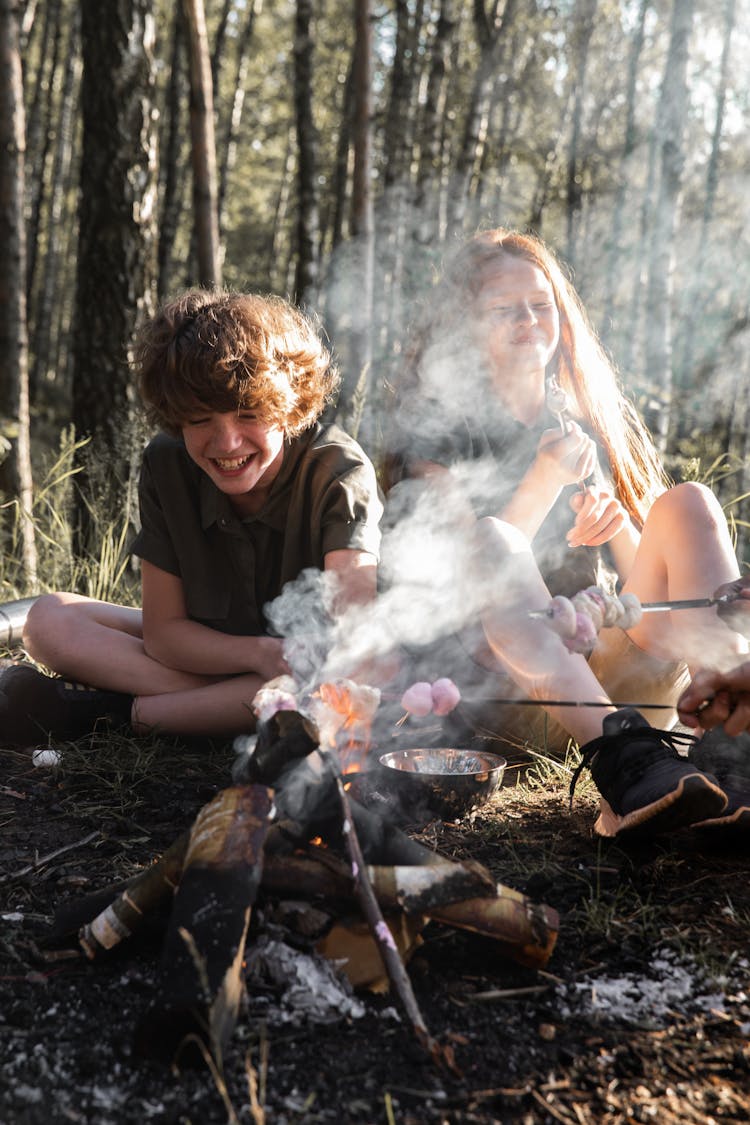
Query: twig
508, 993
380, 930
27, 870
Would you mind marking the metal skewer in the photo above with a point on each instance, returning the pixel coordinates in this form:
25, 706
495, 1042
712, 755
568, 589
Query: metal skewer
659, 607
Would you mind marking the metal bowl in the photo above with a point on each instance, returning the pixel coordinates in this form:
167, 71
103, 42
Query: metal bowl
444, 781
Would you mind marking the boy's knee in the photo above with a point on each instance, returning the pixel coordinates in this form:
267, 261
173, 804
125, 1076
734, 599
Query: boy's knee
41, 622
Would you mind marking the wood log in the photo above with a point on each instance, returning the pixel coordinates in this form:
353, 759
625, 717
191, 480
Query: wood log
526, 931
201, 982
141, 896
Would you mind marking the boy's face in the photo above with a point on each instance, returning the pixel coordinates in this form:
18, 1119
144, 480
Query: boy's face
239, 453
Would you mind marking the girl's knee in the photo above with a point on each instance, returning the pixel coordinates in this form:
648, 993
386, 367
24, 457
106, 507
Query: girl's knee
692, 504
500, 538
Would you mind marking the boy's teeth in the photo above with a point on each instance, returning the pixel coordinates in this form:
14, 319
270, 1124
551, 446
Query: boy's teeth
224, 463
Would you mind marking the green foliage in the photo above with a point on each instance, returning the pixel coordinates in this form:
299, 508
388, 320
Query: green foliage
105, 571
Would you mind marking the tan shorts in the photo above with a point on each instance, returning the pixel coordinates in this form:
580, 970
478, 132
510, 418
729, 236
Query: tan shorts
627, 674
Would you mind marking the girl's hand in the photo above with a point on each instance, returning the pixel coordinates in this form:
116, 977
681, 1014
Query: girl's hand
568, 458
713, 698
599, 517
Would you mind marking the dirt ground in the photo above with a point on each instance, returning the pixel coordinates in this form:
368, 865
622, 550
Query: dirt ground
641, 1015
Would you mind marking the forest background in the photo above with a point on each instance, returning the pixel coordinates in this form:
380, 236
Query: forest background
330, 151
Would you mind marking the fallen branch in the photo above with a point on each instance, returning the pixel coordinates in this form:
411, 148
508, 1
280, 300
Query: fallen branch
41, 861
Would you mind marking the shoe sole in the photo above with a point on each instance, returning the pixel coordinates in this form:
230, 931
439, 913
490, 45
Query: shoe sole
694, 800
737, 821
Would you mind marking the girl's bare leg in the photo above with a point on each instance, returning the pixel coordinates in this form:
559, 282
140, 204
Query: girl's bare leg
685, 552
525, 647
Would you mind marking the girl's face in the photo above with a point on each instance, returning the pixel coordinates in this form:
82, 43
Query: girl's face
240, 454
518, 325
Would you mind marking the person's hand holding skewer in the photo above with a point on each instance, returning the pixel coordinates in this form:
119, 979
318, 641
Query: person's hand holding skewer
735, 611
714, 698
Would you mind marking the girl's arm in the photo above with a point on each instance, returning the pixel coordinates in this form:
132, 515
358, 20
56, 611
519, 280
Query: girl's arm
173, 639
561, 459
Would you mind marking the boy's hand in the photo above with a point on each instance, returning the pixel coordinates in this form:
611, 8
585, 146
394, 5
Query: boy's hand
735, 614
268, 658
599, 517
713, 698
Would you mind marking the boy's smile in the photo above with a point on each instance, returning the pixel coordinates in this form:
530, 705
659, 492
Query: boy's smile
241, 455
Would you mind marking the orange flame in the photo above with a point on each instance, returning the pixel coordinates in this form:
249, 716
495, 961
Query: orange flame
352, 736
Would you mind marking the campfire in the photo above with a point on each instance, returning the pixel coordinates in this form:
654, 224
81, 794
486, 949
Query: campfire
295, 825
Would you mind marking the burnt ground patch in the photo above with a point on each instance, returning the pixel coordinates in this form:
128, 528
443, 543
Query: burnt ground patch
642, 1014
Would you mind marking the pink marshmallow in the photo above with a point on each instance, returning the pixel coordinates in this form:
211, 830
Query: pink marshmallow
417, 699
445, 696
585, 635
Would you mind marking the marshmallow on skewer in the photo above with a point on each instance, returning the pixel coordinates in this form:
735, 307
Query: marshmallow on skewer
445, 696
578, 620
417, 699
440, 697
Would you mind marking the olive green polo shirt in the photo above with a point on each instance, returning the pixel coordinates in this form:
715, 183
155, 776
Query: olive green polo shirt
324, 498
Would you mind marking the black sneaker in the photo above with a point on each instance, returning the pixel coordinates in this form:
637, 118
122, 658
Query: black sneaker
728, 759
646, 786
34, 707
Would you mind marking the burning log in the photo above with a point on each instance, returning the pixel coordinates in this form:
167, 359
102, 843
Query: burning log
234, 850
201, 967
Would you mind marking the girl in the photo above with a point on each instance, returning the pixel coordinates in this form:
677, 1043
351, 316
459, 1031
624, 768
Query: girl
527, 420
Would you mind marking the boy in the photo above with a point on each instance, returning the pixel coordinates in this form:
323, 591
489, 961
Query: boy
242, 490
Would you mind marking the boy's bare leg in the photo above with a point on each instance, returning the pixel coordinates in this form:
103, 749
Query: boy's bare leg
221, 709
100, 644
685, 552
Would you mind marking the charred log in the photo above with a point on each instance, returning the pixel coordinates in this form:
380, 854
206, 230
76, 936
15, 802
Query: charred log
201, 966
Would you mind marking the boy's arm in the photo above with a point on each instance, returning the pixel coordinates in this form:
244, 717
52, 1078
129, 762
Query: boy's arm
176, 641
357, 573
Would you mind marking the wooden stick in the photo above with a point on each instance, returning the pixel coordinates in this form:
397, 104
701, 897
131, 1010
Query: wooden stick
42, 860
394, 966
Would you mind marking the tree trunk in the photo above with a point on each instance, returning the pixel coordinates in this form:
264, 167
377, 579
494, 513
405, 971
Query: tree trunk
355, 387
40, 133
583, 27
203, 146
693, 291
430, 128
229, 142
670, 128
493, 36
614, 266
170, 146
15, 471
116, 230
49, 298
306, 275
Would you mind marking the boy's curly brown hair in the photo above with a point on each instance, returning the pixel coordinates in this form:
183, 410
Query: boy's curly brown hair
218, 350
